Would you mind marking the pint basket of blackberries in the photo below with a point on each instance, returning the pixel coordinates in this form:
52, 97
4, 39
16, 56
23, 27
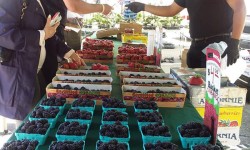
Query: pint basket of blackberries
113, 144
193, 133
54, 102
155, 132
34, 130
206, 147
21, 144
51, 114
145, 105
115, 131
72, 131
113, 103
81, 116
67, 145
111, 116
160, 145
84, 104
146, 117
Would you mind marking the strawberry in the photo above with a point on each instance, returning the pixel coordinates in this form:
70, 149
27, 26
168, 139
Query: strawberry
73, 65
146, 58
94, 67
234, 124
98, 65
66, 66
196, 80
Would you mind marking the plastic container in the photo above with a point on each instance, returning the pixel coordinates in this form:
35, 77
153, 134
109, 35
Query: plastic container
112, 122
188, 142
81, 121
56, 141
52, 121
154, 139
73, 138
84, 108
41, 138
60, 107
121, 140
141, 110
118, 109
118, 142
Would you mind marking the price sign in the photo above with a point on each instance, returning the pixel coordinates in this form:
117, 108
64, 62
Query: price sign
213, 79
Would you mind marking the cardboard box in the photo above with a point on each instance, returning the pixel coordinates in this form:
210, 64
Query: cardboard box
92, 73
229, 136
126, 61
79, 79
137, 27
148, 82
230, 94
134, 38
228, 116
147, 68
144, 75
107, 32
175, 100
70, 95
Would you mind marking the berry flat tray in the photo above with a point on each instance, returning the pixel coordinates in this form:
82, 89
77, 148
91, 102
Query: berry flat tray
188, 142
41, 138
84, 108
74, 138
128, 148
121, 140
81, 121
112, 122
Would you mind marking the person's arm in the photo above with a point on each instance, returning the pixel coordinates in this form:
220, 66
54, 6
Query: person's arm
82, 7
239, 15
165, 11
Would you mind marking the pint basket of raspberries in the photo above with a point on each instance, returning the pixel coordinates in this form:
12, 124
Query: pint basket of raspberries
113, 144
144, 105
193, 133
54, 102
160, 145
115, 131
113, 103
61, 145
51, 114
84, 104
147, 117
21, 144
155, 132
81, 116
72, 131
34, 130
111, 116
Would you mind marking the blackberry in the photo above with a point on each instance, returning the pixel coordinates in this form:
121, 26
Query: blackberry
113, 103
77, 114
40, 112
20, 145
72, 128
146, 105
80, 102
35, 127
160, 146
194, 129
53, 101
114, 115
67, 145
147, 116
114, 130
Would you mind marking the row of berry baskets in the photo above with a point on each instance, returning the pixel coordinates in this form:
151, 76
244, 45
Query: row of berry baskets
114, 129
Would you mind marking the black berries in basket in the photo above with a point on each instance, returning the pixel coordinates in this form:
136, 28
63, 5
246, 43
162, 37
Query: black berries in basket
113, 103
20, 145
194, 129
160, 146
35, 127
40, 112
77, 114
206, 147
80, 102
146, 105
72, 128
53, 101
114, 130
111, 145
156, 130
114, 115
67, 145
147, 116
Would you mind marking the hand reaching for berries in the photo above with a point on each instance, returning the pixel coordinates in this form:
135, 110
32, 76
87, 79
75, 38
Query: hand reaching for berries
76, 58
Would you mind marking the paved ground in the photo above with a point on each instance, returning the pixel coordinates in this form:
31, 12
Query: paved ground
245, 128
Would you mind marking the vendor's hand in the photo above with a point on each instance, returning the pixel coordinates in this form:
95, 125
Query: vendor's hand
107, 9
136, 7
50, 31
76, 58
232, 51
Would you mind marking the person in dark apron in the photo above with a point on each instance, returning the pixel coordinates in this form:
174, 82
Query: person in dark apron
210, 21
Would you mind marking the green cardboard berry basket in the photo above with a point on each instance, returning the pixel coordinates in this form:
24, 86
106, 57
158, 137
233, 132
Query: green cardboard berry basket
72, 141
81, 121
84, 108
141, 110
112, 122
128, 148
121, 140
